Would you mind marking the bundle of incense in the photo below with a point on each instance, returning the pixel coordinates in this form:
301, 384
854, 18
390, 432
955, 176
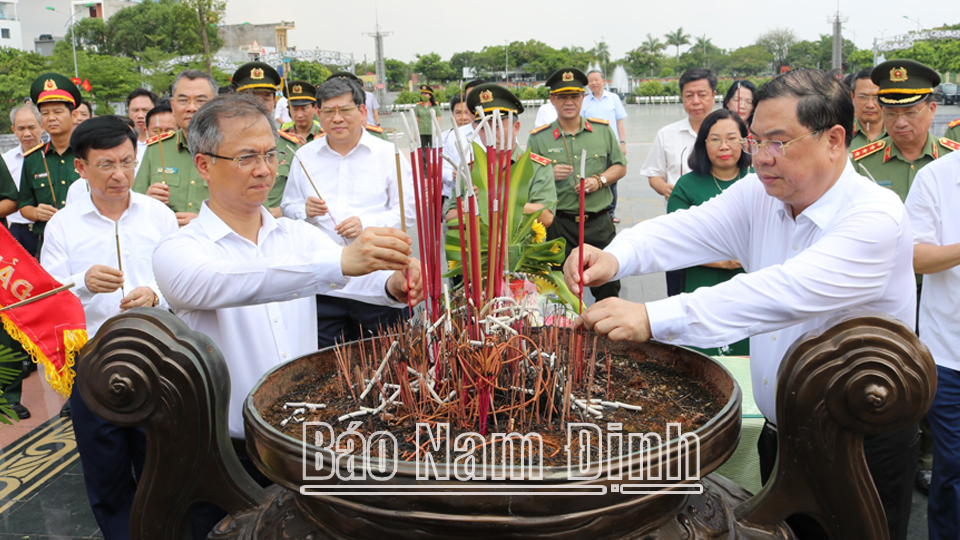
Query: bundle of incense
583, 194
403, 209
469, 235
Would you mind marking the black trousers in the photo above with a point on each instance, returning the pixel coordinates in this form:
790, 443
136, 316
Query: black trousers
598, 231
674, 282
27, 239
892, 462
112, 458
342, 319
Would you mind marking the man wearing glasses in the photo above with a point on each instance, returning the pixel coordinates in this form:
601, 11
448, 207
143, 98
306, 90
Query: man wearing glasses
908, 108
816, 238
167, 172
557, 150
104, 244
868, 123
344, 183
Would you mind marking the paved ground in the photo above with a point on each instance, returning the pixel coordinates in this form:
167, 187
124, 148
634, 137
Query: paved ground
41, 485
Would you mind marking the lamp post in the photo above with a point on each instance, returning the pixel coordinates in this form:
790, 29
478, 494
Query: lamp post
73, 35
914, 20
506, 61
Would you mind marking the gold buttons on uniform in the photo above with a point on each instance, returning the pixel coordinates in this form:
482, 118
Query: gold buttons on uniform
63, 182
190, 205
192, 182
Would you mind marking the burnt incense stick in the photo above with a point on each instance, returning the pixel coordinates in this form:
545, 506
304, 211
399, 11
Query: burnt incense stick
314, 186
403, 210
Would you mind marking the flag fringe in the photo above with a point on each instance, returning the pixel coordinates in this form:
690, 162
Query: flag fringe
73, 340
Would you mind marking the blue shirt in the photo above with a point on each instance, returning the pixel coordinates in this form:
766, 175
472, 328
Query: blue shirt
608, 107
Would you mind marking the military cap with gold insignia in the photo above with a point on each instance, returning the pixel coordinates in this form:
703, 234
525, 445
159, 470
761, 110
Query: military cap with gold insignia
54, 88
567, 80
903, 82
300, 93
493, 97
256, 76
425, 89
345, 75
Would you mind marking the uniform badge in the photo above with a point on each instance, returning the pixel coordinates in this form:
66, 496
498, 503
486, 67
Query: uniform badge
297, 89
49, 85
898, 75
486, 96
567, 76
256, 74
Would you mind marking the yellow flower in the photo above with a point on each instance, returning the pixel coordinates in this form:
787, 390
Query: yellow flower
451, 265
539, 232
555, 248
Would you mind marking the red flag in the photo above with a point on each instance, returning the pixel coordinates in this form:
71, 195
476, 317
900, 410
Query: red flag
53, 328
86, 85
75, 80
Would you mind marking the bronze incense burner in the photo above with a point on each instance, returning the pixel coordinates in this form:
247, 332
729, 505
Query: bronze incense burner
861, 375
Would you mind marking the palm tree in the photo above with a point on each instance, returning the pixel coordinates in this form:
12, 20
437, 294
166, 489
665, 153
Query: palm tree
652, 45
601, 53
676, 39
703, 43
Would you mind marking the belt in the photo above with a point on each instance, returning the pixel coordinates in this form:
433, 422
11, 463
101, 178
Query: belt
587, 216
27, 226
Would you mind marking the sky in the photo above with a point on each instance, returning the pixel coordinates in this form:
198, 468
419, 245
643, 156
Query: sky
446, 27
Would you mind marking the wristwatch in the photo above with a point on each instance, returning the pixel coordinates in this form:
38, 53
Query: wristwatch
603, 181
156, 300
623, 142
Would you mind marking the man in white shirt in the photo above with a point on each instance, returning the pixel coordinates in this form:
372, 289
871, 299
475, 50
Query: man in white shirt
667, 160
466, 121
26, 126
104, 243
817, 240
356, 175
248, 280
931, 204
598, 103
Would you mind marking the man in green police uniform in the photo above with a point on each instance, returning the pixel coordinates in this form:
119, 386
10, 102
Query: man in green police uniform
867, 122
495, 99
906, 101
376, 131
262, 82
167, 172
556, 149
302, 100
48, 168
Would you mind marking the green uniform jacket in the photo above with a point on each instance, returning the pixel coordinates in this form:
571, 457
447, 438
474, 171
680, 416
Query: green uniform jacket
884, 164
953, 130
8, 189
315, 132
603, 151
35, 183
860, 137
422, 110
694, 189
187, 189
289, 144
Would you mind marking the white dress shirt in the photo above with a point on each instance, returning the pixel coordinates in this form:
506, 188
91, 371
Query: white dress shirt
670, 152
932, 204
256, 301
467, 134
850, 251
141, 150
545, 114
362, 183
79, 237
14, 160
77, 191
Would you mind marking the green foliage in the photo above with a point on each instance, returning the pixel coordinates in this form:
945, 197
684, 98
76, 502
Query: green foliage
750, 60
112, 77
778, 43
398, 73
651, 88
667, 72
407, 97
433, 68
942, 55
530, 93
19, 70
311, 72
91, 34
165, 25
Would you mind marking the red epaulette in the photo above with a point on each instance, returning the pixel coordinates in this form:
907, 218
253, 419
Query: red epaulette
377, 129
161, 137
950, 143
540, 159
955, 123
865, 151
292, 138
599, 121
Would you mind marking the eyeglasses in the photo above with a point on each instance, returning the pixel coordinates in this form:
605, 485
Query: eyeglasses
110, 166
330, 112
717, 141
568, 96
774, 148
866, 97
909, 116
247, 161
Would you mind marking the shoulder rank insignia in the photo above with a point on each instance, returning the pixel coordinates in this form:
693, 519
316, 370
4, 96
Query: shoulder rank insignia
955, 123
161, 137
540, 159
865, 151
32, 150
950, 143
539, 129
599, 121
292, 138
587, 126
376, 129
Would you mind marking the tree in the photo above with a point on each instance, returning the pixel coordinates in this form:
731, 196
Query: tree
91, 34
676, 39
601, 53
19, 70
166, 26
804, 54
751, 60
111, 77
209, 13
778, 43
653, 45
641, 62
432, 67
462, 60
311, 72
398, 73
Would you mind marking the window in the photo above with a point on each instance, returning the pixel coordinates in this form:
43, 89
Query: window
5, 33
